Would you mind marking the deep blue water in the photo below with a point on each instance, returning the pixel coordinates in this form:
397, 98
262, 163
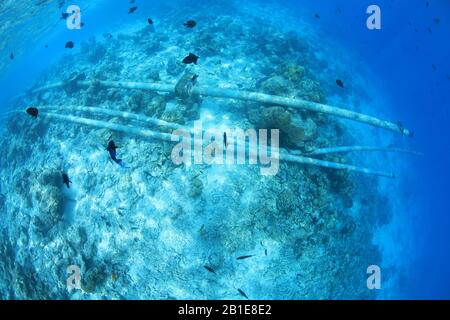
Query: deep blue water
403, 59
409, 57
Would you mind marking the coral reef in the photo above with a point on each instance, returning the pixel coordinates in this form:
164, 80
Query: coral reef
148, 230
93, 51
94, 278
294, 130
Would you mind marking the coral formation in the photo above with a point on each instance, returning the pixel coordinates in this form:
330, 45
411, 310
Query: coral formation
148, 230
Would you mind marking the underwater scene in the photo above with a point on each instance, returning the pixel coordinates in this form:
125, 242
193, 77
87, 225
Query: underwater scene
224, 150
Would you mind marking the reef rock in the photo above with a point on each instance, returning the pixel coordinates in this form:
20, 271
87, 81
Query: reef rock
293, 129
173, 115
140, 102
92, 50
310, 90
94, 278
293, 72
49, 197
196, 188
302, 129
51, 207
286, 202
276, 85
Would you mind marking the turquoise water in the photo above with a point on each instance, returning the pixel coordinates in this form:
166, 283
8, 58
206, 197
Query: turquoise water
148, 227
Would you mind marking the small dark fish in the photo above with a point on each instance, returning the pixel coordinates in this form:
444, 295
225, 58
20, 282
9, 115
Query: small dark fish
242, 293
132, 1
430, 30
340, 83
191, 58
11, 56
81, 24
427, 4
243, 257
69, 45
265, 252
66, 180
33, 112
111, 148
64, 15
448, 77
434, 67
150, 21
338, 11
190, 24
437, 20
132, 9
225, 143
317, 16
46, 46
209, 269
195, 77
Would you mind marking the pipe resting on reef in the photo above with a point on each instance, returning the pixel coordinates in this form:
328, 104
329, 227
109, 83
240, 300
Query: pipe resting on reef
116, 113
346, 149
138, 131
146, 133
245, 96
175, 126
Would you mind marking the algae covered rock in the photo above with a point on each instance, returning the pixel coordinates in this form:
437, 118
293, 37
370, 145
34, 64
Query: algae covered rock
270, 118
139, 102
96, 53
95, 94
51, 206
302, 130
153, 75
310, 90
293, 129
50, 178
294, 72
173, 115
47, 194
276, 85
196, 188
157, 106
94, 278
93, 50
2, 202
286, 202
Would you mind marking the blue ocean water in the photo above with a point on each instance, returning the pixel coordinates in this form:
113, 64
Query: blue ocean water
402, 55
150, 231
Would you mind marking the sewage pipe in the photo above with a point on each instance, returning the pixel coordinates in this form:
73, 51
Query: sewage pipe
146, 133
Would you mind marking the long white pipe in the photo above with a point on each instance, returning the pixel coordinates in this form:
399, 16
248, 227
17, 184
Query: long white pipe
146, 133
346, 149
117, 113
248, 96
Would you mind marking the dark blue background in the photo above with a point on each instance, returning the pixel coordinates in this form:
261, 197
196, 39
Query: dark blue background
402, 58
